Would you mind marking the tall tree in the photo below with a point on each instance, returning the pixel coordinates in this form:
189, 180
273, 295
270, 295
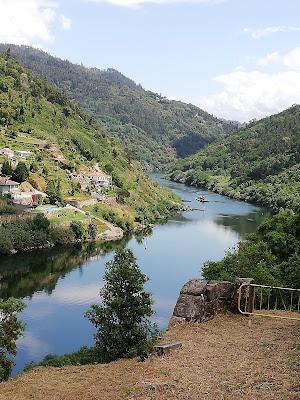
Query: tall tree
10, 330
123, 329
7, 169
21, 173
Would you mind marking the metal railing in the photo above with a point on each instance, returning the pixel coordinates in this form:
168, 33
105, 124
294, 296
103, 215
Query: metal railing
269, 301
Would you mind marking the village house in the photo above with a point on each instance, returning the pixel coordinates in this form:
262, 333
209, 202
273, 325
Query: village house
7, 186
23, 153
27, 195
98, 178
7, 153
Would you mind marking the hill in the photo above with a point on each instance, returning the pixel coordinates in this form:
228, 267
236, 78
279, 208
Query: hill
153, 128
221, 359
62, 140
260, 163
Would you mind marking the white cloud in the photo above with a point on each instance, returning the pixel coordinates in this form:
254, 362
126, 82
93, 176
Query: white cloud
259, 33
270, 58
136, 3
30, 21
66, 22
248, 94
253, 94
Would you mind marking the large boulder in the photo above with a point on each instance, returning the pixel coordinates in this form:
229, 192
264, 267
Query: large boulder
201, 300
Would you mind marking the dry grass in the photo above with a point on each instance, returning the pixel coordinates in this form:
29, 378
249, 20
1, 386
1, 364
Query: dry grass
221, 359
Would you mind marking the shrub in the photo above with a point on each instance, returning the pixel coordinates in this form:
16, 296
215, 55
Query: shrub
77, 228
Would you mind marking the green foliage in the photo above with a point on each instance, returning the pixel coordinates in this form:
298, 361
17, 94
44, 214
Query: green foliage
24, 234
92, 231
77, 228
270, 256
61, 235
53, 190
85, 355
123, 330
152, 128
7, 168
21, 173
11, 330
64, 138
260, 163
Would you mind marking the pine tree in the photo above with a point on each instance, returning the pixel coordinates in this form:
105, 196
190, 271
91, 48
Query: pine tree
7, 169
123, 329
21, 173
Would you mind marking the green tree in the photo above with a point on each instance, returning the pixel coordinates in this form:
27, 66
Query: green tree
77, 228
21, 173
10, 330
53, 191
123, 329
92, 230
7, 169
34, 167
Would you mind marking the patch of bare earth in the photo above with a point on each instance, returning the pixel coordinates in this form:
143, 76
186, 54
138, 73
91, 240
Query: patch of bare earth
221, 359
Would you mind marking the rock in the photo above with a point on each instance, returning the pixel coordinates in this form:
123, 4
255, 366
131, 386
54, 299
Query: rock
194, 287
201, 300
189, 307
163, 349
175, 321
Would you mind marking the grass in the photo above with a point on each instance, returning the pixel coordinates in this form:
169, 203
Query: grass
67, 216
223, 359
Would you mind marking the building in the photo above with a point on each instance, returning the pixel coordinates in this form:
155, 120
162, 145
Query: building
98, 178
7, 153
7, 186
23, 153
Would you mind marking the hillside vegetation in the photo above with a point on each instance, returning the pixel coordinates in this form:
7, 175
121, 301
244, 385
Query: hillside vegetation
62, 138
261, 163
152, 128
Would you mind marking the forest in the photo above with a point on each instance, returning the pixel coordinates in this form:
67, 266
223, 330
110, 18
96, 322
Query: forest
259, 164
149, 126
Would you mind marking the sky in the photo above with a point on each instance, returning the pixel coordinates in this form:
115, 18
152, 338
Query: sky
237, 59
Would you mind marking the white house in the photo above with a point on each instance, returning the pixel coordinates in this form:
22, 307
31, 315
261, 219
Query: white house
7, 153
7, 186
98, 177
23, 153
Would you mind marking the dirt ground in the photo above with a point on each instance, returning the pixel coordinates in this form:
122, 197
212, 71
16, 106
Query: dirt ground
223, 359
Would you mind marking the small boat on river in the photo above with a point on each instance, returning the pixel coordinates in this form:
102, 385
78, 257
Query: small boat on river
201, 199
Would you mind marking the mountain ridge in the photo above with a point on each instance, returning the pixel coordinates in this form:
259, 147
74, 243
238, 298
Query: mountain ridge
155, 129
260, 163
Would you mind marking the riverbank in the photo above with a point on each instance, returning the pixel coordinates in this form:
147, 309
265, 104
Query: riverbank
221, 359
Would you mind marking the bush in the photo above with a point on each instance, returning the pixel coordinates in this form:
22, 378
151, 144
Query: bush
270, 256
85, 355
61, 235
77, 228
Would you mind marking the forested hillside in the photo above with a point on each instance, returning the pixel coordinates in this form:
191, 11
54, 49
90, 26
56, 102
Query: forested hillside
261, 163
62, 138
150, 127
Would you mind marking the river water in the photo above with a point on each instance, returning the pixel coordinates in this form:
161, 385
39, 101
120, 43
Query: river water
59, 285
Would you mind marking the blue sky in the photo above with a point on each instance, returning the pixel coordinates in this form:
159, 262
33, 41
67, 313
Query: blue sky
238, 59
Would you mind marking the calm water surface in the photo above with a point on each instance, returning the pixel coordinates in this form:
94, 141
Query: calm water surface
58, 286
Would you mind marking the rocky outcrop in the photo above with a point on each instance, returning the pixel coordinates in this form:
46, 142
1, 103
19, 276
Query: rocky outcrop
201, 300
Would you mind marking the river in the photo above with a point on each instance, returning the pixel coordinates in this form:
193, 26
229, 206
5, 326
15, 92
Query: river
59, 285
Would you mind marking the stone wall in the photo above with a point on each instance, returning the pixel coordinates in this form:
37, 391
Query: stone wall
201, 300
